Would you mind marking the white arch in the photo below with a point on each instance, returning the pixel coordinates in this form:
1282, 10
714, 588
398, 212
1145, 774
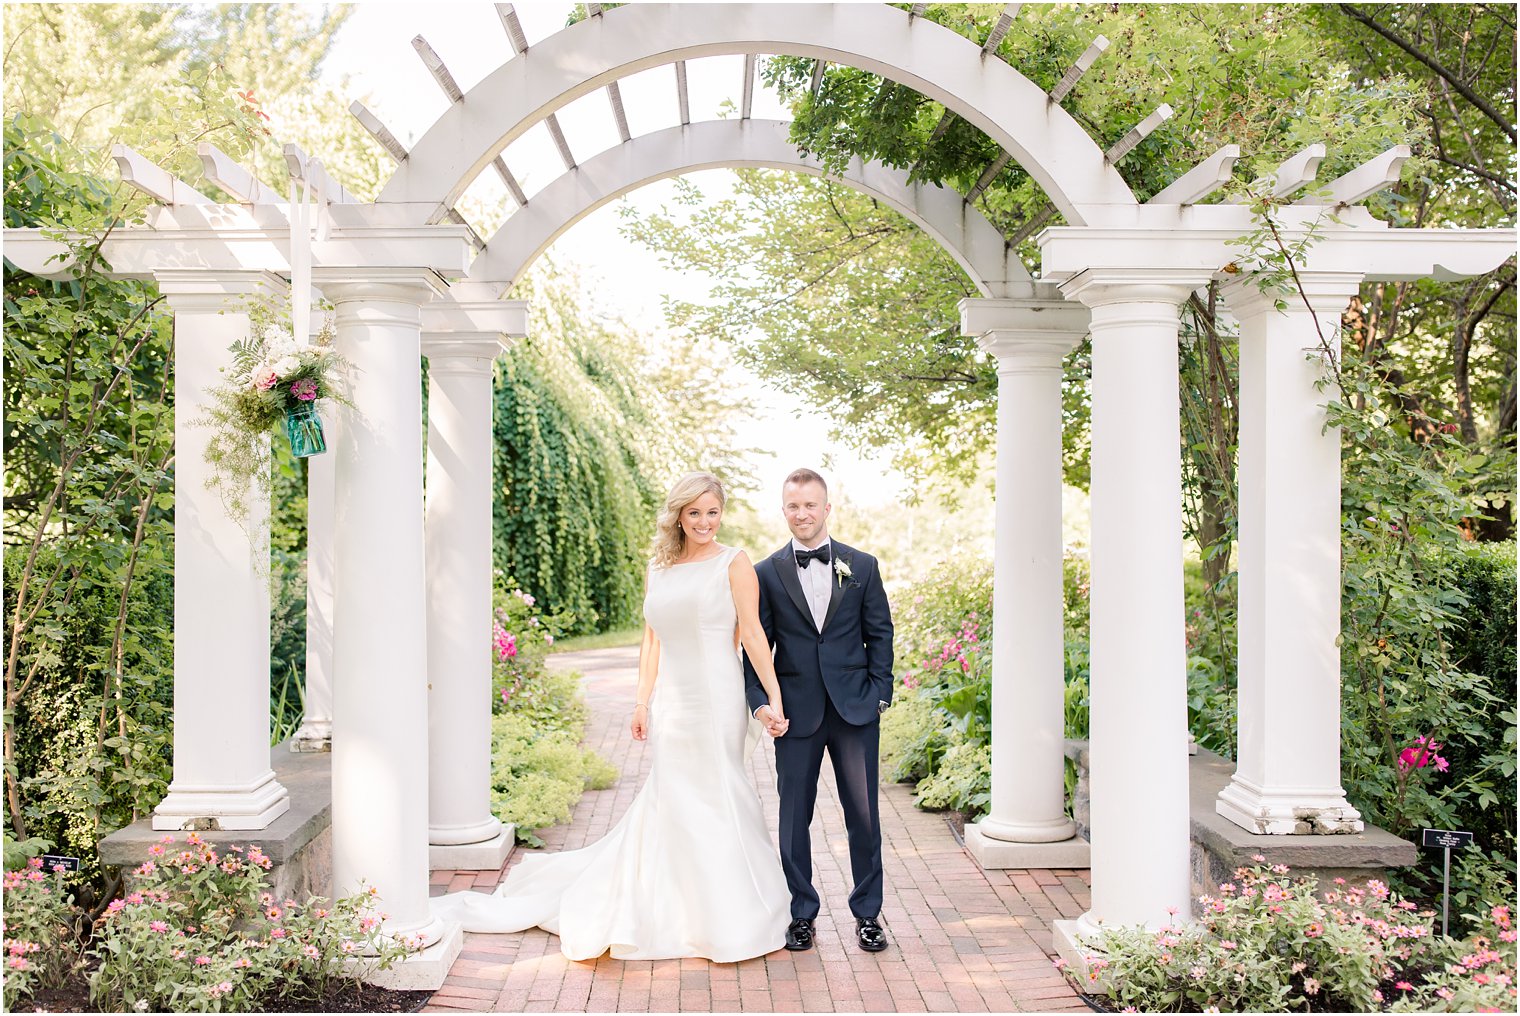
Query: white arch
974, 242
946, 67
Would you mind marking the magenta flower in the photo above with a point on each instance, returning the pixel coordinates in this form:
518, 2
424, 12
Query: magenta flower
304, 390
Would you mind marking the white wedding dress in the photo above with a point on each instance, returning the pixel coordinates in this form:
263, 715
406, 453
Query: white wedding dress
690, 869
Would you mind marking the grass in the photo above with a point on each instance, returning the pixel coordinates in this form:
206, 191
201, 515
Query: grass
605, 640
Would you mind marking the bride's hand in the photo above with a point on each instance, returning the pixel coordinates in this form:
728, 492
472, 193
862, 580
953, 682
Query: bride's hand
779, 723
640, 723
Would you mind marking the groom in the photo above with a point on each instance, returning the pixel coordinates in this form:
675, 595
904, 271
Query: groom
824, 611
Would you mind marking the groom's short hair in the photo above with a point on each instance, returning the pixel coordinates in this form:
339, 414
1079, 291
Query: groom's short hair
806, 475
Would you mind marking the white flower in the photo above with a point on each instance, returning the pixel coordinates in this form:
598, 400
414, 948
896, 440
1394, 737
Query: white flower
841, 570
287, 365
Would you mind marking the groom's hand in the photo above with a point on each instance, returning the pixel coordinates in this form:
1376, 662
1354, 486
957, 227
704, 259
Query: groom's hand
774, 725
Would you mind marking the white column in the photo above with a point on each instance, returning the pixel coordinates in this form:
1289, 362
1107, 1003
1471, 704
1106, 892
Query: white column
379, 756
1288, 768
315, 732
222, 778
462, 832
1140, 834
1027, 825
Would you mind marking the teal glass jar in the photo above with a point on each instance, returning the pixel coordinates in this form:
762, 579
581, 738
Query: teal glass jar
304, 428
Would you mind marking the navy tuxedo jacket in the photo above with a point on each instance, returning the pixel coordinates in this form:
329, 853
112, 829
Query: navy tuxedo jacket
849, 663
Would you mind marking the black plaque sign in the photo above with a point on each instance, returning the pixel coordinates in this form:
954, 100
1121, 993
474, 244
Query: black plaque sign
1451, 839
50, 861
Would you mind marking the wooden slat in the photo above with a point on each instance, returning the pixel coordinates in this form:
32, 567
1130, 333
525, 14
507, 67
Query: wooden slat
513, 28
507, 178
436, 67
989, 174
1075, 71
228, 174
378, 131
818, 66
615, 96
1000, 28
683, 99
552, 122
153, 180
1137, 134
1200, 181
748, 101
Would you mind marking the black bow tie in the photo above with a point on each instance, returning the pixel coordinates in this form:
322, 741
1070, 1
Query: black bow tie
820, 554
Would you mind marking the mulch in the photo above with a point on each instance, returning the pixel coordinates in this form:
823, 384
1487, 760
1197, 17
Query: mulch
74, 996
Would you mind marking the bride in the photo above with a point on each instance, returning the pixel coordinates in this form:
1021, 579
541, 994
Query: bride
690, 869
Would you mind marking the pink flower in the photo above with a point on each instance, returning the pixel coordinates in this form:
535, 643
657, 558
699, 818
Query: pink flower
304, 390
158, 926
1314, 930
1227, 945
19, 963
264, 378
1404, 986
312, 951
202, 961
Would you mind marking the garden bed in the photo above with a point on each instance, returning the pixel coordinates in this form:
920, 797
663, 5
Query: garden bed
74, 996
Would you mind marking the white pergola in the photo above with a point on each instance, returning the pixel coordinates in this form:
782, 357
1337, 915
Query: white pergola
400, 579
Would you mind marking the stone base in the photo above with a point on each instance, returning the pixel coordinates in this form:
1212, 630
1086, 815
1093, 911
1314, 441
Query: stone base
253, 807
421, 971
1220, 845
1258, 812
298, 842
487, 855
993, 853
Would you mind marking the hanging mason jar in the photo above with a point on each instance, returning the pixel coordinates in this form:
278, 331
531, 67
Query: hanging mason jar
304, 428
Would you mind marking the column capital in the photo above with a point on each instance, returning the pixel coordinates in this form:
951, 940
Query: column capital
214, 291
455, 316
1099, 287
1327, 293
1048, 317
347, 284
463, 352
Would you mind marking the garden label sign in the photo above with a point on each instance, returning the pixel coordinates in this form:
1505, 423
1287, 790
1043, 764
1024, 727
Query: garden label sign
1448, 840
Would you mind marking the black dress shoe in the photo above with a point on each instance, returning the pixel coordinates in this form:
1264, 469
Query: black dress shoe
799, 935
872, 938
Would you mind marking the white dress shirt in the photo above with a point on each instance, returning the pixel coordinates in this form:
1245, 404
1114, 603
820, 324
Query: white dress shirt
815, 581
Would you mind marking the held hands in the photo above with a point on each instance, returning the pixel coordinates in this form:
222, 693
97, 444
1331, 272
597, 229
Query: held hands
640, 723
774, 719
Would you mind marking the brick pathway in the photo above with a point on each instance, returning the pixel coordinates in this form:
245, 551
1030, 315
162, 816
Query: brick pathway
962, 940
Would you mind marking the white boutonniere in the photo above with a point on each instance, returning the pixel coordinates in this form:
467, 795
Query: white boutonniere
841, 570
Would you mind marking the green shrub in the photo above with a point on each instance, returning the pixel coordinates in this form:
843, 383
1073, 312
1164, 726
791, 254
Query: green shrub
961, 782
914, 736
538, 775
521, 637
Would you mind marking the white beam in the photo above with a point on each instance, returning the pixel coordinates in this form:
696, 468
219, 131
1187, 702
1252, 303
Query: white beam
1294, 174
224, 171
153, 180
457, 219
1200, 181
303, 167
1365, 180
378, 130
1075, 71
1139, 133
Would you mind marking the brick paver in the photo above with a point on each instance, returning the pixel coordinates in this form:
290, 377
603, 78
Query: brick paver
962, 940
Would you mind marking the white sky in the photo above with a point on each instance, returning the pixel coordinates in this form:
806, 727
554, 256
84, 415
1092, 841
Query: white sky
373, 51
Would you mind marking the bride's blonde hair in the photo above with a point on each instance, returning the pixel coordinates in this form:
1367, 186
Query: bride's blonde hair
669, 540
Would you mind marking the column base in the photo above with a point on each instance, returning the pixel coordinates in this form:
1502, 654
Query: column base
1072, 941
419, 971
994, 852
312, 736
486, 855
251, 807
1050, 831
1287, 813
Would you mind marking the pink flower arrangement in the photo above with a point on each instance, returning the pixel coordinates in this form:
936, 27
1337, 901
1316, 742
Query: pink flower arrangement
304, 390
